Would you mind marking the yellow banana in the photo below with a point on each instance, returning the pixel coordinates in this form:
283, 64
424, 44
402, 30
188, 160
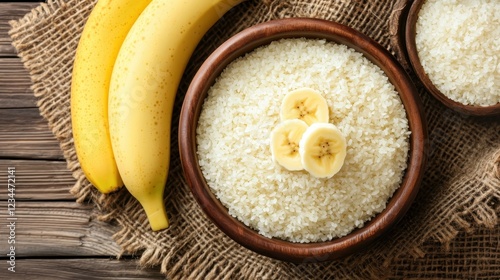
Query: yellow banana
285, 139
144, 83
305, 104
103, 34
322, 150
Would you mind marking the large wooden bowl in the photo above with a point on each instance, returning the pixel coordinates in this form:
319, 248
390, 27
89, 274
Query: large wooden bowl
411, 48
262, 34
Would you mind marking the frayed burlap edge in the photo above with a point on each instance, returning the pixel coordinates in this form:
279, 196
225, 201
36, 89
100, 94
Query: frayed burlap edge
481, 178
203, 251
481, 209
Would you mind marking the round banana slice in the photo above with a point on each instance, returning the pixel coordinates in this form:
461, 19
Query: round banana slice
285, 139
304, 104
322, 150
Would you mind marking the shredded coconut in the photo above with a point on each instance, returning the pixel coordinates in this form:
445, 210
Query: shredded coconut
241, 110
458, 43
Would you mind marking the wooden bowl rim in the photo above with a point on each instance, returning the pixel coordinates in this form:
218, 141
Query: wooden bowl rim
262, 34
411, 49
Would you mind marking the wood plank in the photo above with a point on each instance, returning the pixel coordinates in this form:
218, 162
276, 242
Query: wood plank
10, 11
25, 134
37, 180
79, 269
15, 85
57, 229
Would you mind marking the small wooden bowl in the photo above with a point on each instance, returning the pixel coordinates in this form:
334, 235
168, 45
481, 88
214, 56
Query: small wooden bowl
410, 33
263, 34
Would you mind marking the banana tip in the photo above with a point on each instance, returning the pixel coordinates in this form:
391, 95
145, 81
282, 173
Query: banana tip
158, 220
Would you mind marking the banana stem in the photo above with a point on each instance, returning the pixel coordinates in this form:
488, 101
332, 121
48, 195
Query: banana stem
155, 210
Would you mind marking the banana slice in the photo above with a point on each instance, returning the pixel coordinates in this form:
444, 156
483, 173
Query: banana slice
322, 150
304, 104
285, 139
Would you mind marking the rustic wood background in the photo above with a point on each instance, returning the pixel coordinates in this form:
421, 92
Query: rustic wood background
56, 238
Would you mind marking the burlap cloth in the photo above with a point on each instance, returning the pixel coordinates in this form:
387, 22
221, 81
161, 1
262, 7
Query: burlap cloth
451, 231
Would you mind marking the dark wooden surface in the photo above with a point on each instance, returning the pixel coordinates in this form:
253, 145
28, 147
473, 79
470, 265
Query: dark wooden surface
56, 238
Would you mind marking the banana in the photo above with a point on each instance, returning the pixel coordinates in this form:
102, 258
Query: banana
144, 83
103, 34
322, 150
304, 104
285, 139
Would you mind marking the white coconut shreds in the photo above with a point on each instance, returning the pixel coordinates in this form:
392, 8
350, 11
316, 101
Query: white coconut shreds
458, 43
242, 108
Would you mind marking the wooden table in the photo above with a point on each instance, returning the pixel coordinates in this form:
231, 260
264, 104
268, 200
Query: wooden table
54, 236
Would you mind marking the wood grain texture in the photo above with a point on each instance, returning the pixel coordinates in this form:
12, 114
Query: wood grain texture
15, 85
11, 11
25, 134
397, 23
39, 180
57, 229
56, 238
97, 268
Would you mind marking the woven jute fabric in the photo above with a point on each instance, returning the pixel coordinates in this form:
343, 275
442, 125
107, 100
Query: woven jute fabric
451, 231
